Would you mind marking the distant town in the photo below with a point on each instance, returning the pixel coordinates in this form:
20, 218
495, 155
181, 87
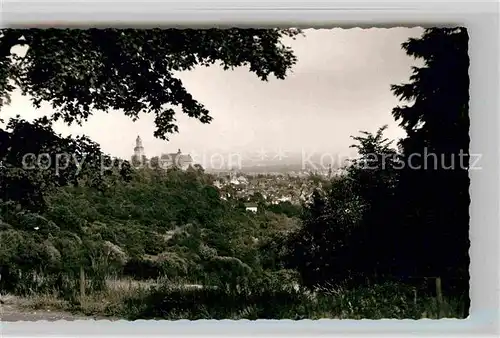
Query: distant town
271, 183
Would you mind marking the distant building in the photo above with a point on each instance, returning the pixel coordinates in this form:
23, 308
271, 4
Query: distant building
242, 180
251, 207
176, 160
166, 161
237, 180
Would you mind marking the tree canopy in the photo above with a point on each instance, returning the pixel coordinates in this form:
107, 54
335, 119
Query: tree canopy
133, 70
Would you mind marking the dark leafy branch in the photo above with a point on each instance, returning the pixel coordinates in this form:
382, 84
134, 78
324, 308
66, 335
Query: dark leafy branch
78, 71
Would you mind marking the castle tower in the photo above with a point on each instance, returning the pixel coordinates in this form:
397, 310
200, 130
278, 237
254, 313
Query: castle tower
139, 149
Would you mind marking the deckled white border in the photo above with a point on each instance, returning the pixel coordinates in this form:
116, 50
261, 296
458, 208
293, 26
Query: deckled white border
480, 17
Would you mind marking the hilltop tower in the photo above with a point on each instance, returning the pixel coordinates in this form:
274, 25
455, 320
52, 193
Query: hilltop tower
139, 149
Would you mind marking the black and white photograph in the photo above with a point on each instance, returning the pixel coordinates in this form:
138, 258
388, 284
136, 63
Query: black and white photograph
234, 173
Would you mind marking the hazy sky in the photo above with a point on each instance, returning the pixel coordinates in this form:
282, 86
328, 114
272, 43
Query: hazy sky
340, 85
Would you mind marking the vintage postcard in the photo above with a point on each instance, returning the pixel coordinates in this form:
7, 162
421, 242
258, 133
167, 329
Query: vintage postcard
234, 173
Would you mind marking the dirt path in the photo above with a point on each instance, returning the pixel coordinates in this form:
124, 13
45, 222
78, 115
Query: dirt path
11, 314
12, 310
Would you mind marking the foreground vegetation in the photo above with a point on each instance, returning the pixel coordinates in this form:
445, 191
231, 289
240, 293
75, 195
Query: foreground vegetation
383, 240
129, 300
162, 244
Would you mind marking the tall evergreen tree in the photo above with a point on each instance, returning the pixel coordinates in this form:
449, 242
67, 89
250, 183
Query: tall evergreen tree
433, 188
